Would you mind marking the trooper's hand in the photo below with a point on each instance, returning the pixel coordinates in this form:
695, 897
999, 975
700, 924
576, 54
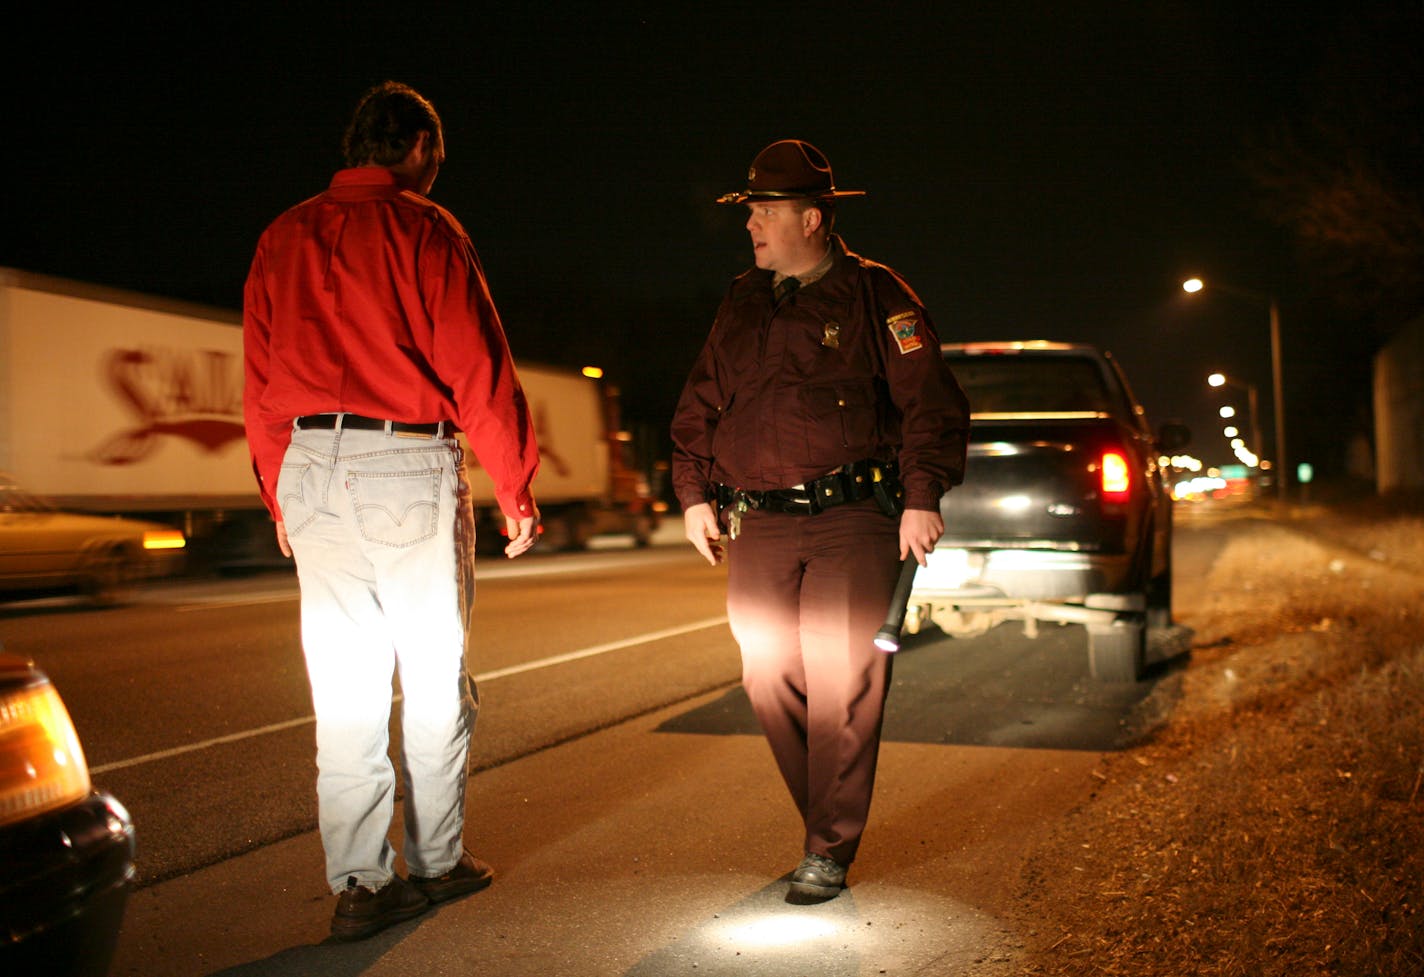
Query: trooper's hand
523, 533
920, 529
282, 543
700, 523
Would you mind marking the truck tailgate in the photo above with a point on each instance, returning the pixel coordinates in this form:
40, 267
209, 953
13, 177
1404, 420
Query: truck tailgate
1035, 483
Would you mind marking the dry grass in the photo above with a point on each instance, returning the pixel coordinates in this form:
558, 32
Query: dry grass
1271, 822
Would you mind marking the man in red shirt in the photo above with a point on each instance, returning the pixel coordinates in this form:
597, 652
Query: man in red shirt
370, 339
820, 426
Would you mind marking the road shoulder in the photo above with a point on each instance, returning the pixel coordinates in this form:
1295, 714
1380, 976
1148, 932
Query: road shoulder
633, 851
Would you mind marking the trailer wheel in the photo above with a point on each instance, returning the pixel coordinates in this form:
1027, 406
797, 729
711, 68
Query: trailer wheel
109, 576
643, 530
566, 531
1116, 651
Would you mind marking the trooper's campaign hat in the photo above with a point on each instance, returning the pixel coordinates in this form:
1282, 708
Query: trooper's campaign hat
787, 170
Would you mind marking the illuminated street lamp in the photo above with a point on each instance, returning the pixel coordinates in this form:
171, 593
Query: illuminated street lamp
1221, 380
1193, 285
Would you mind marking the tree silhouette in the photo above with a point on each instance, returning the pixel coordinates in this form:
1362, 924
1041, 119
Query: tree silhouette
1345, 177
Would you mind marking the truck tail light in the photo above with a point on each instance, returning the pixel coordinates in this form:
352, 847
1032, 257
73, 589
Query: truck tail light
1116, 476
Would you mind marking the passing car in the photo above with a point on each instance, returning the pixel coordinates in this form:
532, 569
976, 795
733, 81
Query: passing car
102, 557
1065, 513
66, 850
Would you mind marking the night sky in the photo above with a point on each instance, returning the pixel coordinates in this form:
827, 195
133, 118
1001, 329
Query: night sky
1034, 170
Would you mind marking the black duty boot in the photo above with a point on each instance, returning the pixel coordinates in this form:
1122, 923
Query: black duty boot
817, 879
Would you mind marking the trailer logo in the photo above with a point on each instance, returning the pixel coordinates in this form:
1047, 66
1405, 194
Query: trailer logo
542, 434
546, 441
196, 396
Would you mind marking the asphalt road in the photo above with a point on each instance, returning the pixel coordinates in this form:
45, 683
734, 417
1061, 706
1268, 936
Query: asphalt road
193, 706
622, 790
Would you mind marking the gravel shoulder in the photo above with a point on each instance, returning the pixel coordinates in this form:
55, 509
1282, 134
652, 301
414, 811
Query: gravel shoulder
1268, 818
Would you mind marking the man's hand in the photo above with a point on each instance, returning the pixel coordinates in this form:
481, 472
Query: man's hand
282, 543
523, 533
700, 523
920, 529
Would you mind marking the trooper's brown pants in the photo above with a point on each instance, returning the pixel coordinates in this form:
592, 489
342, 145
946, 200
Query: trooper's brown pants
805, 596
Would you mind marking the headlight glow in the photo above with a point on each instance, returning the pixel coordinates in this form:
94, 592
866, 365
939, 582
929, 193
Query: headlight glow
163, 539
1014, 503
41, 763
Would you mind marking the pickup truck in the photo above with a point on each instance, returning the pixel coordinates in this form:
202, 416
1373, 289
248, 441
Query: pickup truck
1065, 512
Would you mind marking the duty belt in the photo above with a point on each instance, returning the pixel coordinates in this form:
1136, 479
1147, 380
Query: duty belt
854, 482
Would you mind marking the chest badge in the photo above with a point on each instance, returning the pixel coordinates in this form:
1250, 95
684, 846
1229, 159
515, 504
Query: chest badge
905, 327
831, 339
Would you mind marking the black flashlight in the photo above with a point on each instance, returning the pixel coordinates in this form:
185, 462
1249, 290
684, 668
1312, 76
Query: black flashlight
888, 637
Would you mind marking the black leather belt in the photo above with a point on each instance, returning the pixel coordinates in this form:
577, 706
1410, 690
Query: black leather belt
849, 483
355, 422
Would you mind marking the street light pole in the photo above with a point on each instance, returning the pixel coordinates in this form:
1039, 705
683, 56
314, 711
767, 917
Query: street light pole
1279, 398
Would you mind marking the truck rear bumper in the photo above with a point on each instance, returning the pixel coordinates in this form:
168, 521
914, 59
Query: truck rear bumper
1055, 575
968, 591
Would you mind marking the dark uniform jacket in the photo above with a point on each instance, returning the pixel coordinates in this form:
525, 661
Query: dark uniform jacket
847, 368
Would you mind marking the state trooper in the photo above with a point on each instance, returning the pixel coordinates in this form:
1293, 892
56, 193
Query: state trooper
820, 426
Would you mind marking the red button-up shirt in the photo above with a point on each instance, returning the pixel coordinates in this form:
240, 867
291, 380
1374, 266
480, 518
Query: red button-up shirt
370, 299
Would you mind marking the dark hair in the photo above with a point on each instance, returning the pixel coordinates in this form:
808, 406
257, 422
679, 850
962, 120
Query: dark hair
388, 120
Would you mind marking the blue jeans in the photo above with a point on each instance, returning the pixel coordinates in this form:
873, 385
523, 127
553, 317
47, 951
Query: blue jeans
382, 529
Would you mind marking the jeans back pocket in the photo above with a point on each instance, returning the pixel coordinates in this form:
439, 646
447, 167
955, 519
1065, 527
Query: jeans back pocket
396, 508
295, 497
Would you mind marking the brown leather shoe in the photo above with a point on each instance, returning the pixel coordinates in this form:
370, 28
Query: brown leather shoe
360, 912
469, 875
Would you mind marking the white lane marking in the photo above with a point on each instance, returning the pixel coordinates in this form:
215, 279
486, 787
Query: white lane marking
711, 622
486, 569
205, 744
590, 652
208, 603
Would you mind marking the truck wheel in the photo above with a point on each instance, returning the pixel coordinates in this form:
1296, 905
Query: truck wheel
109, 577
1159, 599
1116, 651
643, 531
578, 534
566, 532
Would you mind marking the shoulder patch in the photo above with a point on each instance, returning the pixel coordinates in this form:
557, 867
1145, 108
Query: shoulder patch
905, 327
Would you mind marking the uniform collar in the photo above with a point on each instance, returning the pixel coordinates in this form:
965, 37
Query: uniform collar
834, 249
